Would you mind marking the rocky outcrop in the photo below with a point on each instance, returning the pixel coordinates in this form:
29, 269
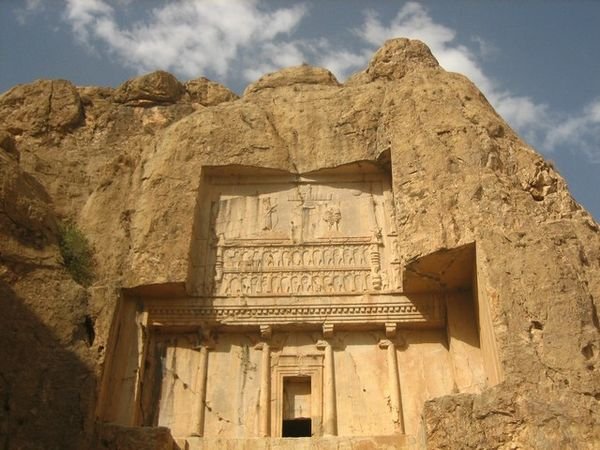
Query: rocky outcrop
126, 165
208, 93
156, 87
48, 371
41, 107
304, 74
396, 59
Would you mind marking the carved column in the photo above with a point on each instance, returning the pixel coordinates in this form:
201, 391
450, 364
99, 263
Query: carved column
198, 424
142, 351
375, 259
394, 384
264, 401
329, 404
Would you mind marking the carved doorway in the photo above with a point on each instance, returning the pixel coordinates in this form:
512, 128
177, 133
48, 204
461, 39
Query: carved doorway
297, 415
297, 394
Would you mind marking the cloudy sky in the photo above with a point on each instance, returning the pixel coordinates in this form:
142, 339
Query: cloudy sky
538, 62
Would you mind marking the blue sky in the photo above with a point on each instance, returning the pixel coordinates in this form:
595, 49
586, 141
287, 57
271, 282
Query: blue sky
538, 62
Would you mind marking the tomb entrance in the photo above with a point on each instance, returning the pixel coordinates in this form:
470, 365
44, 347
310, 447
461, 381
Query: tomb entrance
294, 320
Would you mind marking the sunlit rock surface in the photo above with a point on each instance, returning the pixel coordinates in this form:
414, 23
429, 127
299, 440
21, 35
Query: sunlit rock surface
498, 263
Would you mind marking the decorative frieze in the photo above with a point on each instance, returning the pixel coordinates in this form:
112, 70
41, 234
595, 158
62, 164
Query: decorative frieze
425, 309
248, 269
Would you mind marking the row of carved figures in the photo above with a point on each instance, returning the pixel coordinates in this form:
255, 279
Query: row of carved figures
263, 258
291, 283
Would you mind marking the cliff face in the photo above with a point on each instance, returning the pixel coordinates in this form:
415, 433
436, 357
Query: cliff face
125, 164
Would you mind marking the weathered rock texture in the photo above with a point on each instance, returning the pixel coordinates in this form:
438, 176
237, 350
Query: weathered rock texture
125, 165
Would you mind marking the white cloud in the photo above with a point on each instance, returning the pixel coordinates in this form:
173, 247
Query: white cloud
30, 7
189, 37
272, 56
581, 132
237, 39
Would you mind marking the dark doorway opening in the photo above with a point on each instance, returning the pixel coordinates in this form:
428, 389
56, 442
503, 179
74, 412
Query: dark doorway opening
296, 428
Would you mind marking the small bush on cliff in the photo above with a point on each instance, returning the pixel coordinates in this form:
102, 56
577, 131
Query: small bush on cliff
76, 253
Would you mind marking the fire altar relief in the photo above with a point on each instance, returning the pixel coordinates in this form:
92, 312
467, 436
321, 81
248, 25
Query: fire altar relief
295, 324
287, 236
275, 248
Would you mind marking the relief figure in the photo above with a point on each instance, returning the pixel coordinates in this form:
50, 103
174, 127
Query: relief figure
296, 285
394, 250
269, 211
317, 283
268, 260
328, 283
385, 283
338, 283
328, 257
287, 261
257, 260
358, 282
332, 217
285, 284
246, 286
235, 287
306, 285
297, 258
306, 259
276, 284
348, 256
349, 282
317, 257
255, 287
358, 256
338, 257
265, 284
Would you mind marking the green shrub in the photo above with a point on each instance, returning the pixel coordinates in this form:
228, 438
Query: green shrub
76, 253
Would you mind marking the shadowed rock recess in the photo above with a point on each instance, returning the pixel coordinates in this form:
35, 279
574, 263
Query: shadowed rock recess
377, 264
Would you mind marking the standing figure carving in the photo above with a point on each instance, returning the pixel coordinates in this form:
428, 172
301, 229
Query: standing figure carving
269, 211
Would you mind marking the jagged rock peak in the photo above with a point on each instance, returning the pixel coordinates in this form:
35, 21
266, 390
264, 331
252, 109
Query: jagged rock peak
289, 76
395, 59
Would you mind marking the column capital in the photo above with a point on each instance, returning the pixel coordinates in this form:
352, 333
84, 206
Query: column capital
262, 346
391, 329
385, 343
322, 344
266, 332
203, 338
397, 341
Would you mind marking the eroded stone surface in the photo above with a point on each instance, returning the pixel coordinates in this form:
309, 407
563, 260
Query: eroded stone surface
304, 74
156, 87
130, 177
40, 107
207, 92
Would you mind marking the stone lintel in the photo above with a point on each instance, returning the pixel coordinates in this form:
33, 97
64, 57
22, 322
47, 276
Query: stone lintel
422, 309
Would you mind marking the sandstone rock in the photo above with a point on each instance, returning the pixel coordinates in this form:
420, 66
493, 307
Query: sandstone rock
304, 74
25, 209
154, 88
113, 437
42, 106
7, 143
395, 59
475, 209
208, 93
47, 375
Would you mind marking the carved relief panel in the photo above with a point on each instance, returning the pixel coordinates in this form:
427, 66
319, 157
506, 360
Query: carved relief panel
285, 235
